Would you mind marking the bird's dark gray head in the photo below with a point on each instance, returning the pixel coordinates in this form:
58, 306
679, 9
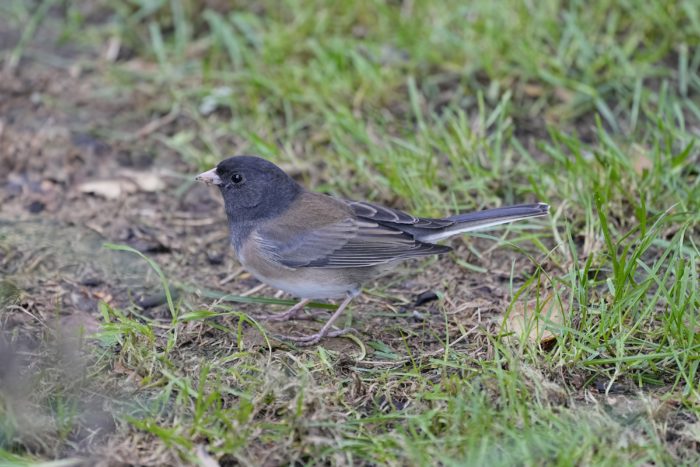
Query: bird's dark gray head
252, 187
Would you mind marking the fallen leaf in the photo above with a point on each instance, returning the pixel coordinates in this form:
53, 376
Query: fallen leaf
205, 460
533, 90
525, 320
109, 189
692, 431
145, 181
129, 181
563, 94
104, 296
640, 159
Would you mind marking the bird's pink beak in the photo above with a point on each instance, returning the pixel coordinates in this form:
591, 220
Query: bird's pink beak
209, 177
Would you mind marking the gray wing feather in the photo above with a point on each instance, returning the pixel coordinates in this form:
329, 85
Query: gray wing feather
306, 246
395, 218
345, 244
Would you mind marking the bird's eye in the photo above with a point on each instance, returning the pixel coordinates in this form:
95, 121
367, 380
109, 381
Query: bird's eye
236, 178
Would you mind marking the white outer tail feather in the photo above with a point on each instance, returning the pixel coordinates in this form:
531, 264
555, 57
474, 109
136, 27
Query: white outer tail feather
470, 226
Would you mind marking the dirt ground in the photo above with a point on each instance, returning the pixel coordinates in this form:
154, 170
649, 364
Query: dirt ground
69, 184
82, 165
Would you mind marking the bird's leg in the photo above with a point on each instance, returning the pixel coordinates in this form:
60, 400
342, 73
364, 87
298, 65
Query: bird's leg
325, 330
289, 314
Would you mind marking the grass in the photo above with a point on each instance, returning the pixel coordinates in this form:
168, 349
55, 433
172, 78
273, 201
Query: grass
434, 107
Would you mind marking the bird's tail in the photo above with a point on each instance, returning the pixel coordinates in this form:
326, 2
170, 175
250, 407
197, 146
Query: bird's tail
480, 220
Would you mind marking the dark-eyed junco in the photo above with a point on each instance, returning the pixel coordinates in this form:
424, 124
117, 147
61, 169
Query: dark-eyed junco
314, 246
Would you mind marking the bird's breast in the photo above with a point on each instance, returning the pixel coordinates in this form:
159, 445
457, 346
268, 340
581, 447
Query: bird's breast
304, 282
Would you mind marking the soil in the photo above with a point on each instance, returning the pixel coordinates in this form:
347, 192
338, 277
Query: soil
80, 166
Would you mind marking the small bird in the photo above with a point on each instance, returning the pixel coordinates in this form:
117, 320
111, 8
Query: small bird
315, 246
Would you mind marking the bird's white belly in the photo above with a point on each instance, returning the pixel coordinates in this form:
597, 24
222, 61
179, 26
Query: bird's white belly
314, 283
303, 282
307, 289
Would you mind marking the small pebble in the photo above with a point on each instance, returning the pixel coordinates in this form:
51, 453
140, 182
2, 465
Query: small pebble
36, 207
91, 282
425, 297
215, 257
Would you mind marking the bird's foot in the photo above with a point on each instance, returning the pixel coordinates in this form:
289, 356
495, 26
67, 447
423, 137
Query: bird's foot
326, 329
292, 313
286, 316
312, 339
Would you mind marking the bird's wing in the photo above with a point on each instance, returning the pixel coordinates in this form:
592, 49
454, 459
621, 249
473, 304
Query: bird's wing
342, 240
394, 217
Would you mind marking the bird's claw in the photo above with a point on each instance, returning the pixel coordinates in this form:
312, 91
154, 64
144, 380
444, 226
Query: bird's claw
305, 341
